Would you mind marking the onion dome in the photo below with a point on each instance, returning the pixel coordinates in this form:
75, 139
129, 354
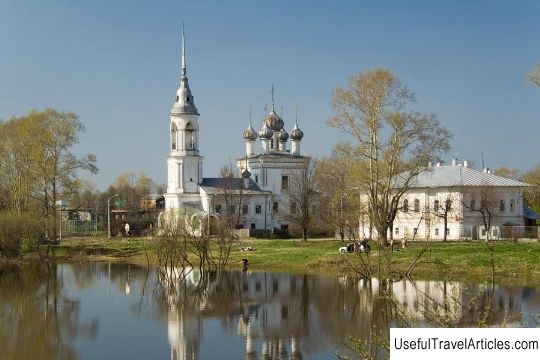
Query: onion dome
273, 121
246, 174
283, 135
250, 134
296, 133
265, 132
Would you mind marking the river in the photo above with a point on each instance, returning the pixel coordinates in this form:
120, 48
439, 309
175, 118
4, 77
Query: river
121, 311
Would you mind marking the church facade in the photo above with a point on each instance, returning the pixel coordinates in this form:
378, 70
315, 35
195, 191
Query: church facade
259, 199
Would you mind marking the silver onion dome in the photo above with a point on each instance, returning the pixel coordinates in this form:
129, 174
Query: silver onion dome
296, 133
273, 121
265, 132
246, 174
283, 135
250, 134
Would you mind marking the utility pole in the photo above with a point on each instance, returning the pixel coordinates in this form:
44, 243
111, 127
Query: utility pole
109, 215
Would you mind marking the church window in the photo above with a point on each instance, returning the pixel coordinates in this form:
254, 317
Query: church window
284, 183
173, 137
405, 205
502, 206
253, 226
275, 207
218, 208
258, 209
416, 205
245, 209
257, 178
512, 205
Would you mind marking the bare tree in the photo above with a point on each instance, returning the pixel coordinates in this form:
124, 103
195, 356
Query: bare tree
339, 197
394, 142
442, 209
303, 195
484, 202
232, 191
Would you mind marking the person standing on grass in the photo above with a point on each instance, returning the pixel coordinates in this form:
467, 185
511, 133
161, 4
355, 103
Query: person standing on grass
127, 229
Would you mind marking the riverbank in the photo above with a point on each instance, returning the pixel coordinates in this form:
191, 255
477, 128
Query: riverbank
514, 262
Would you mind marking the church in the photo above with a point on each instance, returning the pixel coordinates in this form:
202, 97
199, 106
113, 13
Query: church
259, 199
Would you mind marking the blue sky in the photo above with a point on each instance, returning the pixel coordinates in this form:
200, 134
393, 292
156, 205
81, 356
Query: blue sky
116, 64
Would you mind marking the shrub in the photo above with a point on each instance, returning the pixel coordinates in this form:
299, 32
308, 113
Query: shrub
15, 228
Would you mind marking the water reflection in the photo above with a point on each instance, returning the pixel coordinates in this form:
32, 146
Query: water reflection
74, 310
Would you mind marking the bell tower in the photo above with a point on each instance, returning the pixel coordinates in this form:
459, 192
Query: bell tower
184, 164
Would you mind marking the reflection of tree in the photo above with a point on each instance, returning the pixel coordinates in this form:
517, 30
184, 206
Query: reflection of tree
43, 322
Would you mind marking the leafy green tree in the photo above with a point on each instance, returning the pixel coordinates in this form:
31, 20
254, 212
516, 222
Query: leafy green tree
395, 142
37, 165
534, 76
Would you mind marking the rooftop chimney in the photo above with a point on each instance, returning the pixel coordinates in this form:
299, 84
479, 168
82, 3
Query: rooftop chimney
465, 163
438, 164
429, 164
454, 161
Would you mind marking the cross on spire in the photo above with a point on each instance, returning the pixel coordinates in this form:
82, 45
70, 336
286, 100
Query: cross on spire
272, 97
183, 52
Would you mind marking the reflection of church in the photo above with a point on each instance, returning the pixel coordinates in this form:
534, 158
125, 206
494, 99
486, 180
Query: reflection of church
285, 316
260, 195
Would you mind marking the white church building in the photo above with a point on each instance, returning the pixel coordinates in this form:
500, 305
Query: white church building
260, 197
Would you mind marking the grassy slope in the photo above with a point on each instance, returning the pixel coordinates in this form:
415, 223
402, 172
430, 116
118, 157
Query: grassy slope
517, 262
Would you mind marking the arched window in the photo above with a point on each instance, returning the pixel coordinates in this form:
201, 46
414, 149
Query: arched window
405, 205
436, 205
189, 137
173, 136
502, 206
416, 205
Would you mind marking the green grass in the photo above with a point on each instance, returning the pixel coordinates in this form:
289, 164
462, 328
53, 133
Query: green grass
516, 262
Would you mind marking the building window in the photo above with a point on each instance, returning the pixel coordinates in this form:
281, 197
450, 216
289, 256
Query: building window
436, 205
218, 208
437, 231
284, 183
416, 205
473, 204
257, 178
396, 231
405, 205
293, 207
245, 209
512, 205
253, 226
447, 231
231, 209
483, 232
415, 231
275, 207
502, 206
258, 209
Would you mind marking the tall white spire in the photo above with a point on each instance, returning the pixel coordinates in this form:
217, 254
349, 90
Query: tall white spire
184, 103
183, 70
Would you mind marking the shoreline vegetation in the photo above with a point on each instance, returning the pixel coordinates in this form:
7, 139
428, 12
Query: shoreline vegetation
514, 263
